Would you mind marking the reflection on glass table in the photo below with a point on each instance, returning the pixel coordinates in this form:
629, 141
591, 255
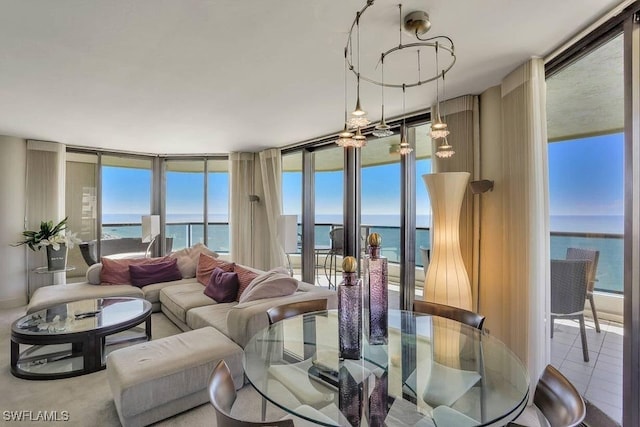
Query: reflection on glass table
433, 371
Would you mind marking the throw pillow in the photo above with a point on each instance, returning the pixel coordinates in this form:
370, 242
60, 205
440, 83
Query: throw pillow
116, 271
222, 286
146, 274
277, 285
188, 259
207, 264
264, 276
245, 277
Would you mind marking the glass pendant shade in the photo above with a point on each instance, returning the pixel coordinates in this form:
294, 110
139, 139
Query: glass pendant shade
358, 117
359, 140
404, 148
382, 130
445, 150
439, 129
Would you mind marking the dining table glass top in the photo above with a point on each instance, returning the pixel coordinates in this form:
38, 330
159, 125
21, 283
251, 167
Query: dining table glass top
432, 372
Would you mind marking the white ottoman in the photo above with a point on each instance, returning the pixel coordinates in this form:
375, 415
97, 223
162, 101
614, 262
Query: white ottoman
161, 378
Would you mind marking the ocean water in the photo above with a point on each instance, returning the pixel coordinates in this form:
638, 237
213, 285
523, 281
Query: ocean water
604, 234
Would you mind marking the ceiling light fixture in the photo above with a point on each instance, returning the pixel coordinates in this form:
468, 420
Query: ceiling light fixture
444, 150
345, 138
417, 23
404, 148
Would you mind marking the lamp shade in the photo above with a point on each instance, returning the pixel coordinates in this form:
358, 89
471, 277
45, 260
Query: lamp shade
288, 233
447, 281
150, 227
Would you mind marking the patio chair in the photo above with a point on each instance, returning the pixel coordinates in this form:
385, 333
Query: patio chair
589, 255
568, 290
337, 248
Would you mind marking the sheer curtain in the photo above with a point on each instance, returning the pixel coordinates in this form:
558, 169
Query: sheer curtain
526, 266
44, 200
241, 167
462, 118
271, 172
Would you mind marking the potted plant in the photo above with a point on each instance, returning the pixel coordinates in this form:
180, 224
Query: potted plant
55, 239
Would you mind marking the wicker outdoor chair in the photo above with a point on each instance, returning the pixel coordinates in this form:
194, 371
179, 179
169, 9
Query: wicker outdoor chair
589, 255
568, 290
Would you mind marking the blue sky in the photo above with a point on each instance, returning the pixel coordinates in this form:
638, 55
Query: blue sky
585, 177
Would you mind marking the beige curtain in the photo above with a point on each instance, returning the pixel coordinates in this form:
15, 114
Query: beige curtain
44, 201
241, 224
462, 118
515, 257
271, 172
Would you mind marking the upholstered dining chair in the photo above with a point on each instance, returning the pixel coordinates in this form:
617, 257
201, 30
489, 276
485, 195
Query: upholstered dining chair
286, 311
461, 315
558, 400
591, 255
222, 395
568, 290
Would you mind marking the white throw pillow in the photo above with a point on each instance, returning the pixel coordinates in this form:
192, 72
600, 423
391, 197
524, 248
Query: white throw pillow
271, 284
188, 259
93, 273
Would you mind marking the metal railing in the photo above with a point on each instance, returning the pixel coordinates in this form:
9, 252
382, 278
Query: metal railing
609, 272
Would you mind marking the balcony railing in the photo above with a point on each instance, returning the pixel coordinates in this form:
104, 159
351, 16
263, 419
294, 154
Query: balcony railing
609, 272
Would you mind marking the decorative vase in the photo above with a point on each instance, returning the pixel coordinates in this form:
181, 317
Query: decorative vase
350, 311
375, 292
447, 281
56, 259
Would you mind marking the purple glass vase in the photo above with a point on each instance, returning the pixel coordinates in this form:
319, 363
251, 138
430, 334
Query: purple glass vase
350, 316
376, 297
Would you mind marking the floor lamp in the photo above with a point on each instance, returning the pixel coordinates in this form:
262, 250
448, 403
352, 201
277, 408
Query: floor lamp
150, 230
288, 236
447, 281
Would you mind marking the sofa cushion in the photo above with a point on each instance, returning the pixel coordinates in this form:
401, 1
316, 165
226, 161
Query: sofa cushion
116, 271
188, 258
152, 292
48, 296
146, 274
210, 315
206, 264
245, 277
179, 299
222, 286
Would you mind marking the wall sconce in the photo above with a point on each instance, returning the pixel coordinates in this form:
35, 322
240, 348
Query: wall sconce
481, 186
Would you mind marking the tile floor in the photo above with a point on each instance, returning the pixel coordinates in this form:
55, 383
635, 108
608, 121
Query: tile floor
600, 379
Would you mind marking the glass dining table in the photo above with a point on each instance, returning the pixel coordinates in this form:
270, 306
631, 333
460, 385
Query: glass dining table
431, 372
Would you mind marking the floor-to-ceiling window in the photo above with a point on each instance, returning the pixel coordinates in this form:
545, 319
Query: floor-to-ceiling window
329, 233
184, 202
585, 111
81, 206
126, 195
218, 205
292, 201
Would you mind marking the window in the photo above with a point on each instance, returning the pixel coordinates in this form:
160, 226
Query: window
184, 202
218, 205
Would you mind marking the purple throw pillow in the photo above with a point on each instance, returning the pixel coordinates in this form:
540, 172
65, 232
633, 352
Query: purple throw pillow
222, 286
146, 274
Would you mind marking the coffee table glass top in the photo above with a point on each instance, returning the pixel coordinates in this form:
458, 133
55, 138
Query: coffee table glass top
433, 371
81, 316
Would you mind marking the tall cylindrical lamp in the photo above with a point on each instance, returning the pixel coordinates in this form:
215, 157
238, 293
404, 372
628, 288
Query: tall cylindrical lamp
447, 281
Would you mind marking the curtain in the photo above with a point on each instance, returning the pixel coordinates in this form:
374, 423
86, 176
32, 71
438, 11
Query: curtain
271, 172
241, 166
524, 296
45, 201
462, 118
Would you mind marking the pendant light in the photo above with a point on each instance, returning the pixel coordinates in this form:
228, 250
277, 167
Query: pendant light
438, 127
345, 138
358, 117
404, 148
382, 129
444, 150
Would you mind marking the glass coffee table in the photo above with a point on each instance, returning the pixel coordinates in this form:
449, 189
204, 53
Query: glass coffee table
71, 339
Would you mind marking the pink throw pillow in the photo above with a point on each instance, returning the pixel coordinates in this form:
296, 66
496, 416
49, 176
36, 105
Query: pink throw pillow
116, 271
207, 264
222, 286
245, 277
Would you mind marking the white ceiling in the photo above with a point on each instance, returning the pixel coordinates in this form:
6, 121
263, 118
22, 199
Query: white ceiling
196, 76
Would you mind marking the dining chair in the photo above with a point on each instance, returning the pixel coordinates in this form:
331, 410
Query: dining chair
286, 311
461, 315
593, 256
568, 290
558, 400
222, 395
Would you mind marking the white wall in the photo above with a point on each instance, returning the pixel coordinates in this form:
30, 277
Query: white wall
13, 278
